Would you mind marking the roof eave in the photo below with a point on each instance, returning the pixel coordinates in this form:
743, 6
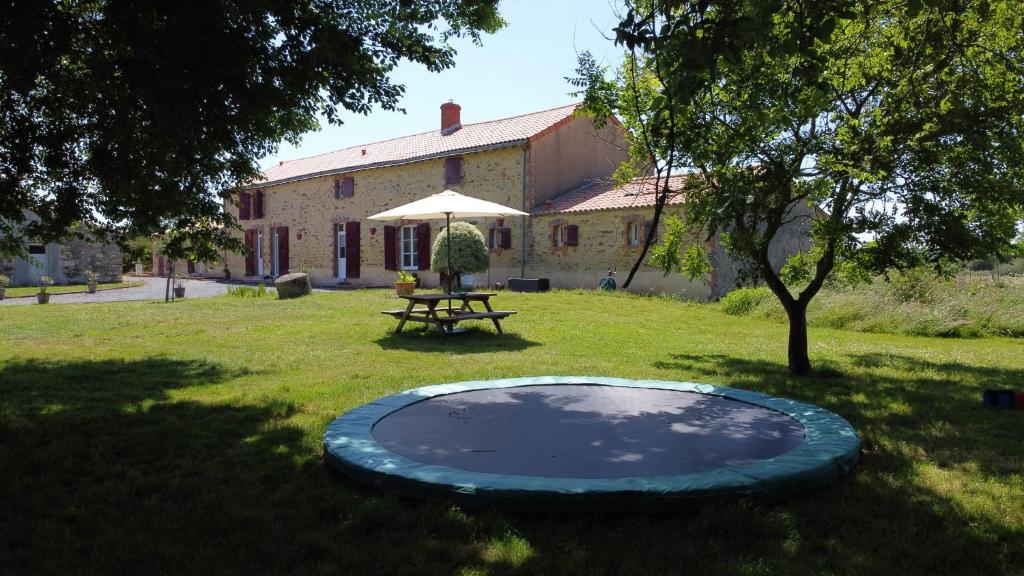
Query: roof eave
370, 166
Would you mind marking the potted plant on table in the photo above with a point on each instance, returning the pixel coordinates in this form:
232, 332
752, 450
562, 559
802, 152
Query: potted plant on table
406, 283
179, 287
5, 281
43, 296
91, 279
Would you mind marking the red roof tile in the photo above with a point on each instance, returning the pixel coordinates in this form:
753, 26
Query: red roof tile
609, 195
470, 137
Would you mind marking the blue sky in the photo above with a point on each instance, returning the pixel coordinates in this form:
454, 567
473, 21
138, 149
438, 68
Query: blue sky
520, 69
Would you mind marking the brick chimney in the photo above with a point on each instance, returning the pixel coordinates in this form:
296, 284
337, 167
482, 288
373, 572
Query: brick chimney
451, 119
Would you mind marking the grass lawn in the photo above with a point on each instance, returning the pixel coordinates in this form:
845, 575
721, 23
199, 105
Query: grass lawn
185, 438
33, 290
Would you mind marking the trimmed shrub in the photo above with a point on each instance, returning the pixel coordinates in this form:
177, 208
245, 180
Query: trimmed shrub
743, 301
469, 250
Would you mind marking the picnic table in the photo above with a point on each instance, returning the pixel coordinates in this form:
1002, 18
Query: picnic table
460, 309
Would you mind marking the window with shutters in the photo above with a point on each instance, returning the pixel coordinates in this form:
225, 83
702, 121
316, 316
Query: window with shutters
408, 248
345, 187
244, 206
633, 233
492, 238
453, 171
559, 236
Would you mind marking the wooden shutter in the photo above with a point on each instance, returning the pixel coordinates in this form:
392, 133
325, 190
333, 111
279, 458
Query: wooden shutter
334, 242
351, 250
258, 205
337, 188
506, 238
191, 267
245, 203
647, 230
282, 250
423, 246
250, 253
390, 248
453, 171
572, 235
348, 187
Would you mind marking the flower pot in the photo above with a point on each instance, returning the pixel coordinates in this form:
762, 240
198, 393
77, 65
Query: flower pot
405, 288
44, 297
2, 290
139, 269
179, 291
91, 287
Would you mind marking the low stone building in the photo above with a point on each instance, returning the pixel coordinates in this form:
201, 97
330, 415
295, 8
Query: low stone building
66, 262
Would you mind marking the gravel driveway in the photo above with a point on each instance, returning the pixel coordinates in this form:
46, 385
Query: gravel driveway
152, 289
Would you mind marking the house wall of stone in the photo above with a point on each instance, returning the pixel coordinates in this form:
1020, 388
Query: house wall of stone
602, 245
310, 211
68, 263
568, 155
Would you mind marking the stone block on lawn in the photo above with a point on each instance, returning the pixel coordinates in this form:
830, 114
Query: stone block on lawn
293, 285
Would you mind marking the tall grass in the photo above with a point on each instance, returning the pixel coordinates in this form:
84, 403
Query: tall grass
914, 304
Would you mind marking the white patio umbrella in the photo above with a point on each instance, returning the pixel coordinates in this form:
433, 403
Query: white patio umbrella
448, 204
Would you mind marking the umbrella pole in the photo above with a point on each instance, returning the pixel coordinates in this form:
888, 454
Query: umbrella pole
448, 233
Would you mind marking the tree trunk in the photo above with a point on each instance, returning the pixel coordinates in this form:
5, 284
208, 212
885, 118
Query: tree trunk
799, 362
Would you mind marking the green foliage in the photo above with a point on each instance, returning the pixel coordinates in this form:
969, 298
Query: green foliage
676, 253
743, 301
136, 250
130, 116
406, 277
469, 250
44, 283
918, 302
258, 291
5, 281
902, 121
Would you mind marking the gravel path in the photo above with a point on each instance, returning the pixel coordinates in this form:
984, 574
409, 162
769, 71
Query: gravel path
152, 289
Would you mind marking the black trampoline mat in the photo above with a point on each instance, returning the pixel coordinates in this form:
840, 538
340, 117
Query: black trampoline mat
586, 431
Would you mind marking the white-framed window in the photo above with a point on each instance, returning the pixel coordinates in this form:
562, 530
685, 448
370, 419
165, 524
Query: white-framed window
492, 238
559, 236
408, 248
633, 230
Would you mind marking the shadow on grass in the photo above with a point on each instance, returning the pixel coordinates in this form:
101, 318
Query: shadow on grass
117, 467
473, 340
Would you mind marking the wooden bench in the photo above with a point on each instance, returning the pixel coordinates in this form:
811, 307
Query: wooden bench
455, 318
401, 311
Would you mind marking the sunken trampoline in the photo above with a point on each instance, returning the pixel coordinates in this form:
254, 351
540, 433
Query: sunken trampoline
589, 444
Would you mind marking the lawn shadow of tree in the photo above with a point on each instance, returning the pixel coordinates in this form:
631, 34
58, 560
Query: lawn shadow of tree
105, 468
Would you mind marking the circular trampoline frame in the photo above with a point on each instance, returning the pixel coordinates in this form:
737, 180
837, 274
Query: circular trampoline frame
829, 450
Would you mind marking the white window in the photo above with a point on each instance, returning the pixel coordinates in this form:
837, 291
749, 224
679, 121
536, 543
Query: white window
409, 249
559, 236
634, 233
492, 238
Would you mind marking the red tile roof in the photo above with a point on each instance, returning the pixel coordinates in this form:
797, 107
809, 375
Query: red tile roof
492, 134
609, 195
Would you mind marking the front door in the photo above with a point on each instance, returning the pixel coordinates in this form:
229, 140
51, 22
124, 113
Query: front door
274, 255
259, 253
36, 262
341, 251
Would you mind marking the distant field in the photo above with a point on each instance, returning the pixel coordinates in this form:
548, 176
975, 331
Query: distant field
186, 438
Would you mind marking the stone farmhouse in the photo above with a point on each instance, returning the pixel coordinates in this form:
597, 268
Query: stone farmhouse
65, 262
311, 214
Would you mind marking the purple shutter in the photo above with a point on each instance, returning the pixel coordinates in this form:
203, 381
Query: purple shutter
282, 250
351, 250
245, 202
453, 171
572, 235
423, 246
348, 187
390, 248
250, 253
334, 242
506, 238
258, 205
